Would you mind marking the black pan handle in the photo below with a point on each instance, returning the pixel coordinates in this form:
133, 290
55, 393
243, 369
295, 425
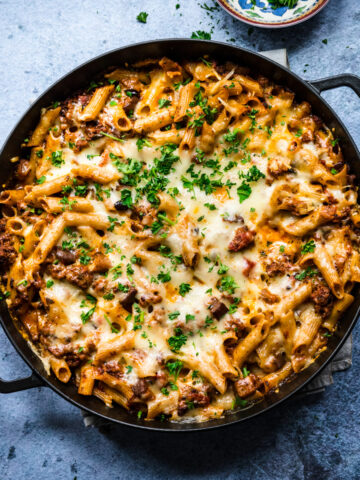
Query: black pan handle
10, 386
20, 384
344, 80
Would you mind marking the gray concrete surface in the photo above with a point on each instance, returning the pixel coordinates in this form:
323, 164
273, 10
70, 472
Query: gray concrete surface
41, 435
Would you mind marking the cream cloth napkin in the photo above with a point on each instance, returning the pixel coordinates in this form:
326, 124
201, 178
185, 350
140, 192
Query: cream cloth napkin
342, 360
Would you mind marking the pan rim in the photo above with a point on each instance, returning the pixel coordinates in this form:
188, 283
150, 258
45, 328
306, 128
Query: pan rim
227, 420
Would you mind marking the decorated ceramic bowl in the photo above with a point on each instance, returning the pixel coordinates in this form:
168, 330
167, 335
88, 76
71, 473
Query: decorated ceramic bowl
265, 13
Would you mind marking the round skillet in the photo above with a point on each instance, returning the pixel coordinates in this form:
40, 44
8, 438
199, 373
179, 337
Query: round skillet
177, 49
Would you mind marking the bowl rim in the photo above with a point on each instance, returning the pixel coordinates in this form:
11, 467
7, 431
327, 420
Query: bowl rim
255, 23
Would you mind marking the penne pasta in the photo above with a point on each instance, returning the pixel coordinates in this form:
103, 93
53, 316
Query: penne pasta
179, 239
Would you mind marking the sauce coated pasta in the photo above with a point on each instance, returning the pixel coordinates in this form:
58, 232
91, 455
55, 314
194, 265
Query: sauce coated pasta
179, 238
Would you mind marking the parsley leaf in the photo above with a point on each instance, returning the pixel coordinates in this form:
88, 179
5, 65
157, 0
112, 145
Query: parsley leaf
113, 329
201, 35
177, 341
210, 206
164, 102
252, 175
142, 17
309, 247
243, 191
173, 315
228, 284
130, 169
57, 159
85, 316
142, 142
174, 367
164, 277
184, 288
126, 198
308, 272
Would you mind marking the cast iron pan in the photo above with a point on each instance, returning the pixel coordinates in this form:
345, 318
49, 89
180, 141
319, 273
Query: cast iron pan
180, 48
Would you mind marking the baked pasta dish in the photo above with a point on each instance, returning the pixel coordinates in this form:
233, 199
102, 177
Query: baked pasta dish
179, 238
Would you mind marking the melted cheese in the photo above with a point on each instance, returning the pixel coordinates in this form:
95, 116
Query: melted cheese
179, 261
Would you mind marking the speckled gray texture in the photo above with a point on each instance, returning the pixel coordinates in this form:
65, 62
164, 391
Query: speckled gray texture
41, 435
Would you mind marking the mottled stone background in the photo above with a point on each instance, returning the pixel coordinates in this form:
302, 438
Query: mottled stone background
41, 435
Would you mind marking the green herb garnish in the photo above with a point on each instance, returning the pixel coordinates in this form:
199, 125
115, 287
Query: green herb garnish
142, 17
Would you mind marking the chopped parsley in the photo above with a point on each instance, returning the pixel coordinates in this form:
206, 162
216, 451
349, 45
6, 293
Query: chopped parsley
123, 288
142, 17
84, 258
164, 277
113, 221
129, 270
164, 102
238, 402
111, 136
184, 288
252, 175
126, 198
142, 142
116, 271
164, 218
177, 341
309, 247
138, 318
222, 269
67, 203
85, 316
308, 272
243, 191
201, 35
210, 206
174, 367
81, 190
130, 169
57, 158
251, 115
113, 329
173, 315
108, 296
232, 137
228, 284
